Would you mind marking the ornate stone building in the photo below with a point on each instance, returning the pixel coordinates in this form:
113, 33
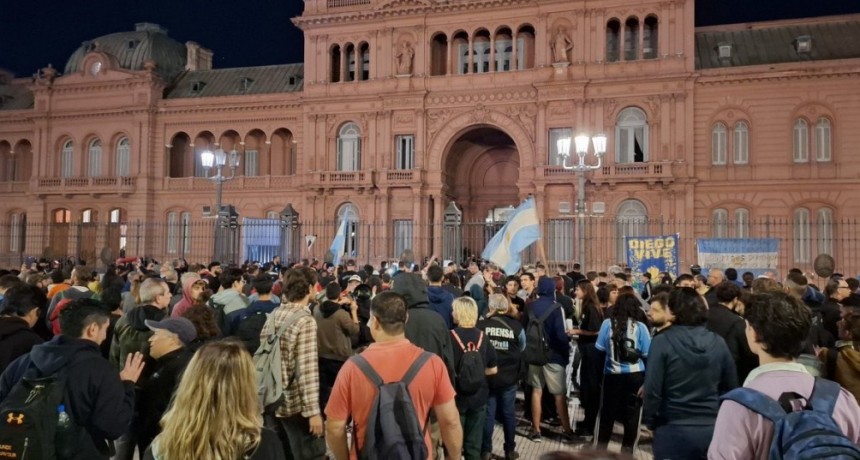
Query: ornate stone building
404, 106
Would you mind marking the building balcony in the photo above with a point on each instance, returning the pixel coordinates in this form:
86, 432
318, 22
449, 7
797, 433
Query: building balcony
401, 177
94, 186
357, 180
622, 173
196, 184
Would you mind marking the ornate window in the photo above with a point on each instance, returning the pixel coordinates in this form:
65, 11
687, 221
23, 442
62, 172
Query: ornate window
720, 220
825, 231
554, 135
823, 140
742, 223
17, 232
630, 220
252, 162
741, 151
405, 152
67, 159
801, 141
719, 136
123, 158
349, 148
802, 236
94, 159
348, 215
402, 236
631, 136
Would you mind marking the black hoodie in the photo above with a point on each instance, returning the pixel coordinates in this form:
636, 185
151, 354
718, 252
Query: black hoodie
688, 369
95, 397
16, 339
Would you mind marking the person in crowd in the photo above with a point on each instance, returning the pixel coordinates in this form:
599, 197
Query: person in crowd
645, 279
61, 279
564, 300
835, 291
777, 325
748, 278
193, 288
591, 367
231, 294
100, 401
205, 323
475, 277
131, 298
250, 323
797, 286
78, 289
19, 312
131, 335
440, 298
842, 362
689, 367
624, 342
527, 288
353, 392
215, 414
299, 418
472, 404
552, 374
168, 348
111, 298
337, 329
262, 301
724, 321
512, 287
7, 282
507, 336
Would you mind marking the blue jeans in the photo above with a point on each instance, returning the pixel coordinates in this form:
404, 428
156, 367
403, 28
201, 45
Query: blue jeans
682, 442
501, 402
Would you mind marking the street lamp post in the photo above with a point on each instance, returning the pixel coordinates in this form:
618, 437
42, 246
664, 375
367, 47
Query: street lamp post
218, 159
581, 144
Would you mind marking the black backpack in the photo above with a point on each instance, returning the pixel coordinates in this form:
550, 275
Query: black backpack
30, 412
625, 348
393, 430
537, 349
470, 375
248, 330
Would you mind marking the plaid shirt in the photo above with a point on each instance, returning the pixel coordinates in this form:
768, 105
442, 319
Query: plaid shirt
298, 348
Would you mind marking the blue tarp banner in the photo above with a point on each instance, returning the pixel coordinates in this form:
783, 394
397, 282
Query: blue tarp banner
652, 254
756, 255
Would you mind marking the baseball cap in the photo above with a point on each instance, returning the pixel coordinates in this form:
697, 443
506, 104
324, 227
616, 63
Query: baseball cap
182, 327
354, 278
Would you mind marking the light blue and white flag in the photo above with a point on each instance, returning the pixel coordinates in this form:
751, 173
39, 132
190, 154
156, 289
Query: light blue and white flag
338, 244
521, 230
757, 255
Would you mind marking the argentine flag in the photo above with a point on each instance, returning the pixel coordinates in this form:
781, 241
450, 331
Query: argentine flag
521, 230
339, 242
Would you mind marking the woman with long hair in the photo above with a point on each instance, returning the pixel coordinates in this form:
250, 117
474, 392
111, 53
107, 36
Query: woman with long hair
215, 413
591, 370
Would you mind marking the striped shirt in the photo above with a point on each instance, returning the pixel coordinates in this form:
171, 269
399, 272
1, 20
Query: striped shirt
298, 348
637, 332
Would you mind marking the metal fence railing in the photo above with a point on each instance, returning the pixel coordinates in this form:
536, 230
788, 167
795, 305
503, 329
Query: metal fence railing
372, 241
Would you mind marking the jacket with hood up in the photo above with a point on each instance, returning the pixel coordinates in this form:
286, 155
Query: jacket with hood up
95, 397
689, 367
335, 331
131, 335
553, 326
187, 302
440, 302
16, 339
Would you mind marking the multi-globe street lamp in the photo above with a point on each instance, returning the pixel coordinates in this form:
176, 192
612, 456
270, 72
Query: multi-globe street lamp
581, 143
219, 159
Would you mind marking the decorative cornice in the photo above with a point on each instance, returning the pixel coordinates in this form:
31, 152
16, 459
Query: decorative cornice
494, 96
232, 108
404, 8
234, 121
709, 79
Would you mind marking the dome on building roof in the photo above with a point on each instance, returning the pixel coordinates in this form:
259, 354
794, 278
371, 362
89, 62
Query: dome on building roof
133, 49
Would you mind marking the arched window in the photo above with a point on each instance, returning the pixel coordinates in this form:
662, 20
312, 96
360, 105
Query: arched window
504, 48
525, 47
613, 40
17, 232
252, 162
801, 141
481, 52
741, 153
822, 140
123, 158
347, 231
349, 148
172, 232
350, 62
718, 144
631, 136
802, 236
94, 159
461, 52
825, 231
335, 63
630, 220
439, 55
742, 223
720, 220
364, 74
631, 39
178, 232
649, 38
67, 160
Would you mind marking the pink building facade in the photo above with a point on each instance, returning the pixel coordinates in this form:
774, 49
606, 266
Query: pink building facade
405, 106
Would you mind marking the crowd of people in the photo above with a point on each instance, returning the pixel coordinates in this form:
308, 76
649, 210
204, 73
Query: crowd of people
158, 360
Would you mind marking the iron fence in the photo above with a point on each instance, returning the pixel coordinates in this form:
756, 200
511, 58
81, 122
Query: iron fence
800, 241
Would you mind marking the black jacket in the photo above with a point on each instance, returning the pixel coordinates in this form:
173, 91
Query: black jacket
508, 338
95, 397
688, 369
156, 391
16, 339
732, 328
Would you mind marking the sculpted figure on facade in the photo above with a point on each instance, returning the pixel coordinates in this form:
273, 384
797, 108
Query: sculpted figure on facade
560, 46
403, 57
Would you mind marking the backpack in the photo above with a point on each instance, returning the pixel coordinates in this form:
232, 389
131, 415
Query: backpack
625, 349
249, 328
30, 412
220, 316
271, 387
806, 434
469, 376
537, 349
393, 430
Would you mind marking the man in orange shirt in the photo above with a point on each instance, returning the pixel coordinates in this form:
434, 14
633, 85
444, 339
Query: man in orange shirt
391, 356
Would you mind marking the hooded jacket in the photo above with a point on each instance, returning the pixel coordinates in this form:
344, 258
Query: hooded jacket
131, 335
16, 339
231, 299
440, 302
335, 331
424, 327
689, 367
95, 398
553, 326
187, 302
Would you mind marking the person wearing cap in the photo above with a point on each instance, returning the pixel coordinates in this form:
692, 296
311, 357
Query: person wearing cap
168, 347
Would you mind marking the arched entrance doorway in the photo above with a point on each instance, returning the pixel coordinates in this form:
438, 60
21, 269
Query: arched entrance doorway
480, 172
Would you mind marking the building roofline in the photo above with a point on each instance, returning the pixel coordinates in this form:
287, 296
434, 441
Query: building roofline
779, 23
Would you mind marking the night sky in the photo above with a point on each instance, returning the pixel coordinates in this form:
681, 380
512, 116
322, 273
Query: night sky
252, 32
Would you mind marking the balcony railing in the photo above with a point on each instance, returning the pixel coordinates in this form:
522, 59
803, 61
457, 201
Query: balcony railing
83, 185
238, 183
615, 173
345, 3
345, 179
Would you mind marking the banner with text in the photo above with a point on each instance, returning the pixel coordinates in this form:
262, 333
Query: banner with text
756, 255
652, 254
